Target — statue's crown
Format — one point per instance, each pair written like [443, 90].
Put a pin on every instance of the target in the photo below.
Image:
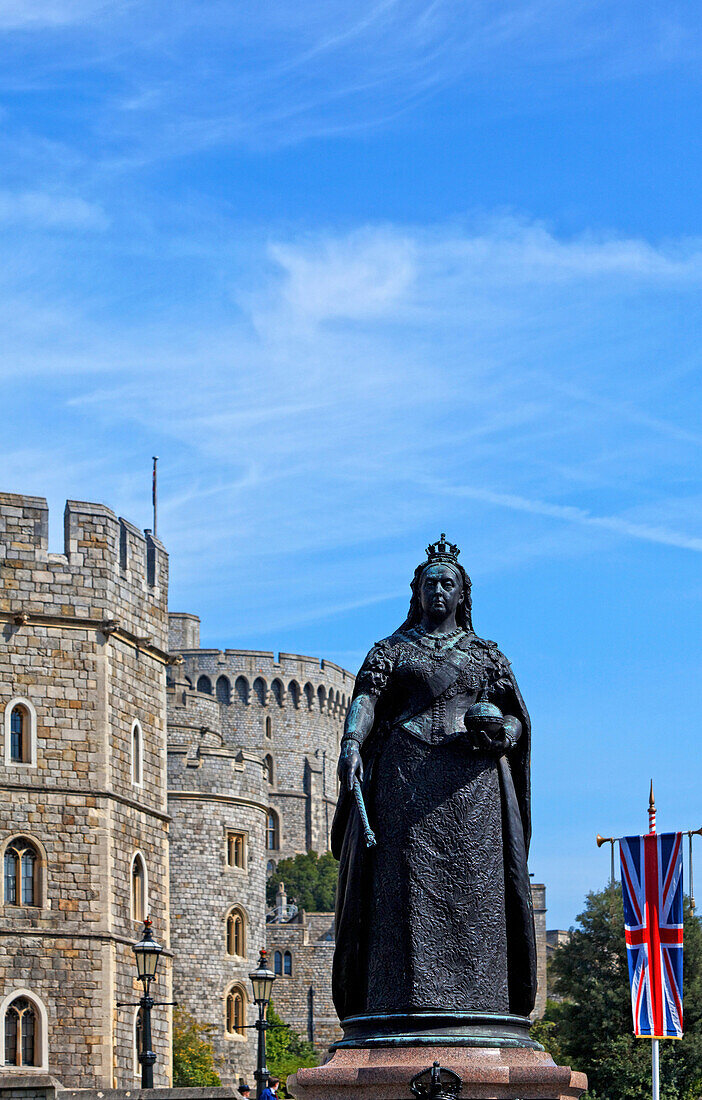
[442, 551]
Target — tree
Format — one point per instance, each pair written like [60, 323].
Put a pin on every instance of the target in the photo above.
[309, 879]
[194, 1057]
[286, 1052]
[591, 1029]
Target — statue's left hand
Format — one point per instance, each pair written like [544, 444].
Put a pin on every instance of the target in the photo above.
[496, 746]
[504, 741]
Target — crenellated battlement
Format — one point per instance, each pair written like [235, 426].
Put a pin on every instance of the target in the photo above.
[288, 675]
[109, 569]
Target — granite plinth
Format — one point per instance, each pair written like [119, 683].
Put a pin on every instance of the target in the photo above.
[487, 1073]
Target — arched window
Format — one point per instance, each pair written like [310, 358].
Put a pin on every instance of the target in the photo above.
[137, 755]
[277, 689]
[236, 934]
[242, 690]
[278, 963]
[204, 684]
[269, 727]
[20, 732]
[260, 690]
[309, 695]
[268, 769]
[287, 964]
[270, 868]
[22, 873]
[272, 832]
[321, 696]
[224, 690]
[22, 1046]
[139, 886]
[294, 690]
[236, 1011]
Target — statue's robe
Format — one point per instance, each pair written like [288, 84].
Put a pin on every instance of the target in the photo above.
[439, 914]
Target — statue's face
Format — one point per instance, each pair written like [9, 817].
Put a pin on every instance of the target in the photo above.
[440, 591]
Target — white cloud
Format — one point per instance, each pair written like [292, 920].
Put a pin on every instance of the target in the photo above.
[171, 79]
[39, 14]
[44, 210]
[619, 525]
[357, 277]
[390, 373]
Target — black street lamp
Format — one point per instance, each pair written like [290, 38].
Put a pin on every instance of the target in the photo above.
[262, 979]
[146, 954]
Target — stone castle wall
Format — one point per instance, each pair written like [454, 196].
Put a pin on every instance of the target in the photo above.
[538, 897]
[215, 790]
[291, 710]
[303, 998]
[252, 745]
[85, 637]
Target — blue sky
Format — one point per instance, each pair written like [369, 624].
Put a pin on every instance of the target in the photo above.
[359, 273]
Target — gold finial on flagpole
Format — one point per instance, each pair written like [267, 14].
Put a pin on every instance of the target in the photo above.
[651, 811]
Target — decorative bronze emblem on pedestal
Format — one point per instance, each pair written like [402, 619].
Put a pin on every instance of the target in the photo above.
[436, 1084]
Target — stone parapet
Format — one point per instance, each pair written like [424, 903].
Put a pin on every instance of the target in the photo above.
[45, 1087]
[109, 571]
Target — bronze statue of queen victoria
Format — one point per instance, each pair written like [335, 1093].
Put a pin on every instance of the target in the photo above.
[435, 931]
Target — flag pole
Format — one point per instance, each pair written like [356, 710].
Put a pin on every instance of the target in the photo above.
[655, 1053]
[155, 498]
[611, 840]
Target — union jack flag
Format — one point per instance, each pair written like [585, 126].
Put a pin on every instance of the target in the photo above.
[652, 888]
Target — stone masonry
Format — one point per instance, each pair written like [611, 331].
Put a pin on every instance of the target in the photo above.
[252, 749]
[85, 652]
[291, 710]
[303, 998]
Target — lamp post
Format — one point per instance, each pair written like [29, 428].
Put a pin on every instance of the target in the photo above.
[146, 953]
[262, 979]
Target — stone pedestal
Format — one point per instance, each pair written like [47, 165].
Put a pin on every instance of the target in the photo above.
[487, 1073]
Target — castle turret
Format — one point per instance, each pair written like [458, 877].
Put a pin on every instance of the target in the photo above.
[252, 748]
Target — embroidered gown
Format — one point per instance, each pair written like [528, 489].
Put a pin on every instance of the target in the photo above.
[438, 915]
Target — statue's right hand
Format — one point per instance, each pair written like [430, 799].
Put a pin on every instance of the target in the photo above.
[350, 765]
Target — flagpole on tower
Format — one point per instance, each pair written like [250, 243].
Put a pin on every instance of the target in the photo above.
[154, 497]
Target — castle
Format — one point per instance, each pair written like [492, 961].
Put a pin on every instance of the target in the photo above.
[144, 774]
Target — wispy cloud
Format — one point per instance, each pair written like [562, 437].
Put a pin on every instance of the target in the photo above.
[43, 14]
[619, 525]
[44, 210]
[396, 371]
[168, 80]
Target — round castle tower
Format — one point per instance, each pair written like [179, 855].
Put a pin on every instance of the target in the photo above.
[252, 749]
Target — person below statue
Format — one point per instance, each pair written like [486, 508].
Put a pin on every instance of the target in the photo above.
[438, 915]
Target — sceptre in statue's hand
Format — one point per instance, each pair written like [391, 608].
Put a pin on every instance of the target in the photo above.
[351, 771]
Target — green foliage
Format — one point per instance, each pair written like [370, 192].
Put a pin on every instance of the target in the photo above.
[193, 1054]
[286, 1052]
[545, 1031]
[591, 1028]
[309, 879]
